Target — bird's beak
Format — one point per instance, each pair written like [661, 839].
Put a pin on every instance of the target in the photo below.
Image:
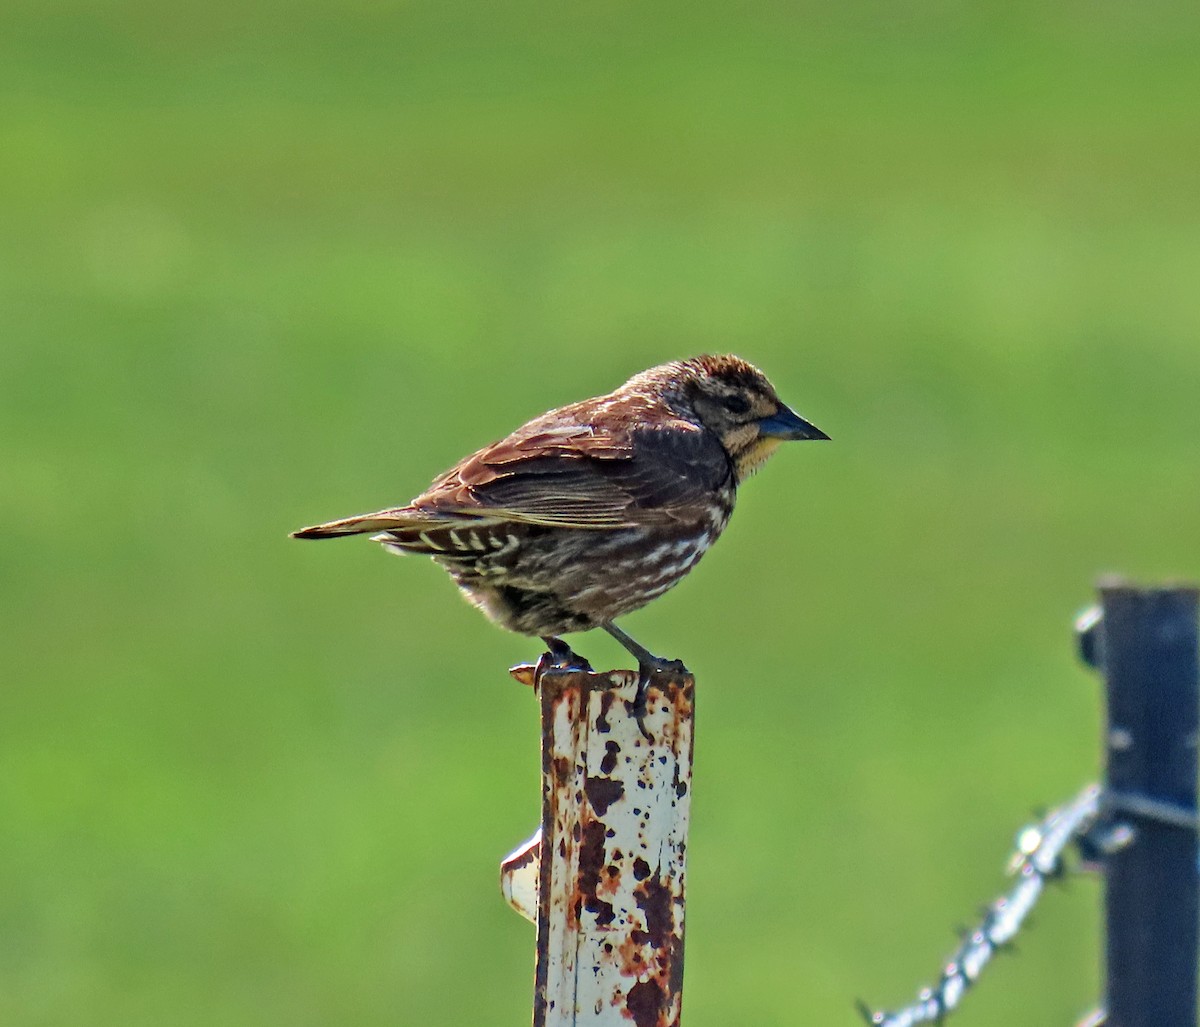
[785, 423]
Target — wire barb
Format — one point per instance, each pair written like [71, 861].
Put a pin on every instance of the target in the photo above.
[1036, 859]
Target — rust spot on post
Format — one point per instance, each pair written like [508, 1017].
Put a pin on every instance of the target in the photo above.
[655, 901]
[647, 1003]
[602, 792]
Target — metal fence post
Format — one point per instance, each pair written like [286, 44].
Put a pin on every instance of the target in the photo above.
[603, 879]
[1144, 641]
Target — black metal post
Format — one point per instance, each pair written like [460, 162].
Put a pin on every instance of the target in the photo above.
[1145, 643]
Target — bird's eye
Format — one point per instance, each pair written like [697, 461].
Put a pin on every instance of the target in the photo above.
[736, 404]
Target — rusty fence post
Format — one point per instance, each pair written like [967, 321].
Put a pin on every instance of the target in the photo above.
[1144, 642]
[603, 878]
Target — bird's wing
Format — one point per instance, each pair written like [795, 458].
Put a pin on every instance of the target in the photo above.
[584, 476]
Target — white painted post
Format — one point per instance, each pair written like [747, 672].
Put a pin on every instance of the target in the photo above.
[609, 899]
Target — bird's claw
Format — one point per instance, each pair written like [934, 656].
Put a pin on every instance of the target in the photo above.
[639, 707]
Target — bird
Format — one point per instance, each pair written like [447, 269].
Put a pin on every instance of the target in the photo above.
[593, 509]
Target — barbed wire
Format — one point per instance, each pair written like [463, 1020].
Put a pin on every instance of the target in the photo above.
[1036, 860]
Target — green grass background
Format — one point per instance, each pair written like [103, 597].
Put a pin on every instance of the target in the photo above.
[263, 264]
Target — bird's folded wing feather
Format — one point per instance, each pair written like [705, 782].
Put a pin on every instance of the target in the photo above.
[586, 477]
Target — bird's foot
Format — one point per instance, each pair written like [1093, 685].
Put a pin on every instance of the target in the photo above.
[561, 656]
[647, 668]
[665, 666]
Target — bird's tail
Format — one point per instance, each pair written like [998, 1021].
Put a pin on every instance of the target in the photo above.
[381, 520]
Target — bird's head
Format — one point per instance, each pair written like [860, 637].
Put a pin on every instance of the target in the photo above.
[734, 400]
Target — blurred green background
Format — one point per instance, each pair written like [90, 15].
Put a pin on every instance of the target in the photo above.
[266, 264]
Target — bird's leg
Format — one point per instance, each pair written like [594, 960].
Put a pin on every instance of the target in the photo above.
[562, 655]
[648, 663]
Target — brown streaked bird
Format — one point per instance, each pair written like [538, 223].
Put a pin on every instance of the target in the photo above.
[591, 510]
